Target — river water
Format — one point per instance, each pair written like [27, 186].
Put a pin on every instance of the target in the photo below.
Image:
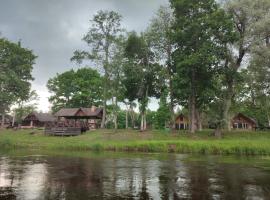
[132, 176]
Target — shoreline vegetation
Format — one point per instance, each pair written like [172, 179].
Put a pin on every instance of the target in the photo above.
[234, 143]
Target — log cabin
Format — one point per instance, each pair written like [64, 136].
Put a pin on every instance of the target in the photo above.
[35, 119]
[181, 122]
[243, 122]
[92, 115]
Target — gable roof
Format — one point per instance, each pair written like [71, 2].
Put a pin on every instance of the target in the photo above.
[181, 115]
[71, 112]
[42, 117]
[246, 117]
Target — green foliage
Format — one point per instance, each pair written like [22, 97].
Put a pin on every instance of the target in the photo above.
[16, 65]
[201, 32]
[162, 116]
[141, 73]
[23, 111]
[81, 88]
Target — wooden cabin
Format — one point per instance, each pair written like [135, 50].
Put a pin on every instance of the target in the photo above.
[74, 121]
[181, 122]
[35, 119]
[242, 122]
[91, 116]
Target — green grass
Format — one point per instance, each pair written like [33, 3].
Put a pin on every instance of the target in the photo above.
[239, 143]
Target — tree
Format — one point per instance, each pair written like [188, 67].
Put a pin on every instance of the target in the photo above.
[251, 23]
[163, 115]
[25, 106]
[101, 38]
[200, 32]
[16, 65]
[141, 73]
[116, 78]
[160, 33]
[81, 88]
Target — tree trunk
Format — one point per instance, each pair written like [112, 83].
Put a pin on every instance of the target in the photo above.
[3, 120]
[227, 106]
[115, 115]
[13, 119]
[127, 118]
[103, 115]
[199, 121]
[268, 118]
[142, 121]
[172, 121]
[170, 76]
[192, 103]
[132, 116]
[217, 132]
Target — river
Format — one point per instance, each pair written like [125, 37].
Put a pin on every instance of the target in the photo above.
[35, 175]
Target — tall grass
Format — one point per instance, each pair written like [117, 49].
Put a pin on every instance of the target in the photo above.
[240, 143]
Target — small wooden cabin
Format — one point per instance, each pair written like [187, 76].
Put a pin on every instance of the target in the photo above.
[240, 121]
[181, 122]
[35, 119]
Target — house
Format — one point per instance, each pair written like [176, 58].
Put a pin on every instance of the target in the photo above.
[240, 121]
[181, 122]
[35, 119]
[91, 115]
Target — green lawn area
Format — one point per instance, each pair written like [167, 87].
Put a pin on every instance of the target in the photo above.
[240, 143]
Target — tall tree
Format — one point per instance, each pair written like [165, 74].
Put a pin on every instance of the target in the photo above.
[251, 22]
[142, 76]
[199, 32]
[101, 38]
[116, 78]
[81, 88]
[16, 65]
[160, 33]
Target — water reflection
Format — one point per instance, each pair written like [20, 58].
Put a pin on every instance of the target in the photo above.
[48, 177]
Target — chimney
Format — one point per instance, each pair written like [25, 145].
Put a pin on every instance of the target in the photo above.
[93, 108]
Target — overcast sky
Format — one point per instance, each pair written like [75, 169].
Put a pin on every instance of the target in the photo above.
[53, 30]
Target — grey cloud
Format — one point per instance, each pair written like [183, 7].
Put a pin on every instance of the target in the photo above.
[53, 28]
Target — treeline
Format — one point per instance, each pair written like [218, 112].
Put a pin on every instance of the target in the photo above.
[208, 57]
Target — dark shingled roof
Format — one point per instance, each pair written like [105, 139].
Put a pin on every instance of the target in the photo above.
[44, 117]
[70, 112]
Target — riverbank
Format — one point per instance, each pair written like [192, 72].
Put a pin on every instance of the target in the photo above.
[237, 143]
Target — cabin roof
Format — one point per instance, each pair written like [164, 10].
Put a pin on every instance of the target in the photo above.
[71, 112]
[42, 117]
[246, 117]
[181, 115]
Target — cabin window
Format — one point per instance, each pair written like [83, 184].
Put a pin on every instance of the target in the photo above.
[181, 118]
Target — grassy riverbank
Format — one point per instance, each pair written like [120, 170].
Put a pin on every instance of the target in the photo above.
[240, 143]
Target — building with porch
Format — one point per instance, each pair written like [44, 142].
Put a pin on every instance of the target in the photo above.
[241, 121]
[181, 122]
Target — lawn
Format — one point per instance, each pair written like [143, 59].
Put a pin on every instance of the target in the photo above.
[240, 143]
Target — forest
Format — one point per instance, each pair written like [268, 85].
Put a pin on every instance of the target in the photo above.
[207, 59]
